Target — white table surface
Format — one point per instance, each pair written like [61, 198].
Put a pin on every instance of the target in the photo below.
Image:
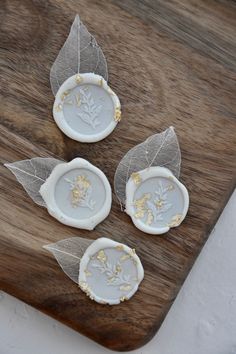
[202, 319]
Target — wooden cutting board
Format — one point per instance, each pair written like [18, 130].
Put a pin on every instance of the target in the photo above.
[171, 63]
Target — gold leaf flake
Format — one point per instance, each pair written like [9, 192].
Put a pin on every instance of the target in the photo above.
[84, 286]
[124, 257]
[159, 203]
[136, 178]
[140, 203]
[149, 217]
[118, 269]
[117, 114]
[123, 298]
[78, 79]
[101, 82]
[58, 108]
[119, 247]
[176, 220]
[125, 287]
[101, 256]
[65, 94]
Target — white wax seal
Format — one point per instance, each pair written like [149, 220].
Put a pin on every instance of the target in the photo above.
[156, 200]
[77, 194]
[85, 108]
[110, 272]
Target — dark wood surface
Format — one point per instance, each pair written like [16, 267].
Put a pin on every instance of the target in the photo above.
[171, 63]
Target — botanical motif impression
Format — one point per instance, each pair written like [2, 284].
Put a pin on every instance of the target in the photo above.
[114, 272]
[152, 207]
[88, 110]
[80, 192]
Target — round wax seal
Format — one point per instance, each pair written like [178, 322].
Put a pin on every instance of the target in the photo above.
[156, 200]
[86, 109]
[110, 272]
[77, 194]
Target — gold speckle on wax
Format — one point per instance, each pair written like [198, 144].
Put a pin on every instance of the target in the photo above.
[176, 220]
[125, 287]
[78, 79]
[117, 114]
[124, 257]
[101, 256]
[65, 94]
[136, 178]
[58, 108]
[119, 247]
[123, 298]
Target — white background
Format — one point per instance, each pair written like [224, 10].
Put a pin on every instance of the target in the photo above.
[201, 321]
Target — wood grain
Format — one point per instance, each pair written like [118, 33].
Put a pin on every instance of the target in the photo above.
[171, 63]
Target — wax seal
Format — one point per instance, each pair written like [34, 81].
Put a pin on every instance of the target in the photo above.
[110, 272]
[85, 108]
[156, 200]
[77, 194]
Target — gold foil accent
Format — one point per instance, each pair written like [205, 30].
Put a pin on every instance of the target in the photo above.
[176, 220]
[140, 205]
[78, 79]
[119, 247]
[117, 114]
[79, 190]
[125, 287]
[58, 108]
[150, 217]
[124, 257]
[136, 178]
[159, 203]
[118, 269]
[101, 256]
[123, 298]
[65, 94]
[101, 82]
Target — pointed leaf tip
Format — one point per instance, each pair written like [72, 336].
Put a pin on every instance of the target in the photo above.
[161, 149]
[31, 174]
[79, 54]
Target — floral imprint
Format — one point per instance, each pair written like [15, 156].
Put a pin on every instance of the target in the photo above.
[89, 110]
[152, 207]
[80, 192]
[114, 272]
